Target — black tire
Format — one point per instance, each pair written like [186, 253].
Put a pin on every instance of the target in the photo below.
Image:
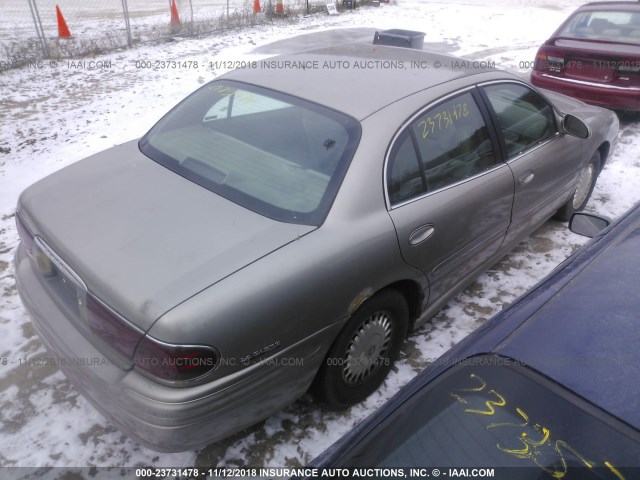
[364, 351]
[582, 193]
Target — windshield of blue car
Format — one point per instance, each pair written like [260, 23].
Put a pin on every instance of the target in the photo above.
[492, 412]
[274, 154]
[611, 26]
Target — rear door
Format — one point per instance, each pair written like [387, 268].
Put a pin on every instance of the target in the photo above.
[448, 192]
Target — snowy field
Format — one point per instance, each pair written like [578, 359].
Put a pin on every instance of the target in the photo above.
[59, 113]
[104, 15]
[101, 23]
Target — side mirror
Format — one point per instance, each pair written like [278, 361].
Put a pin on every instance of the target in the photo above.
[574, 126]
[588, 225]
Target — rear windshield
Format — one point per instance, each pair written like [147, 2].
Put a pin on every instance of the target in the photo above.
[615, 26]
[491, 412]
[271, 153]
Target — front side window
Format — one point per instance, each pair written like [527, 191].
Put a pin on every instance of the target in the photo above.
[525, 118]
[445, 145]
[492, 412]
[274, 154]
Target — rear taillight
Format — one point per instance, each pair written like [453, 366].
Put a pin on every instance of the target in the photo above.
[162, 360]
[107, 325]
[174, 362]
[25, 235]
[165, 361]
[34, 249]
[549, 59]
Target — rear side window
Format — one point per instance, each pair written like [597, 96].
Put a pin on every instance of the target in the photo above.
[525, 118]
[445, 145]
[453, 142]
[491, 412]
[406, 179]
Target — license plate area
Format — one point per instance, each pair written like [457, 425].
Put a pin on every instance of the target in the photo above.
[595, 70]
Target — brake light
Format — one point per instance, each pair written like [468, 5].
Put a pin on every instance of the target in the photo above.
[25, 235]
[116, 332]
[34, 249]
[554, 59]
[163, 360]
[174, 362]
[549, 59]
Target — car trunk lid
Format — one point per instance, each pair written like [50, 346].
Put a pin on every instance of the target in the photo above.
[606, 63]
[140, 237]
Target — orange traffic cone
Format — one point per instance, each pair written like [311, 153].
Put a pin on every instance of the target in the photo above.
[279, 7]
[256, 6]
[63, 30]
[175, 18]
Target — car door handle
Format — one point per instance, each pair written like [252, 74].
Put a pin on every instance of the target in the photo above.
[526, 178]
[420, 234]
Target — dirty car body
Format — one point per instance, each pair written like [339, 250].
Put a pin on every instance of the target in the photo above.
[275, 232]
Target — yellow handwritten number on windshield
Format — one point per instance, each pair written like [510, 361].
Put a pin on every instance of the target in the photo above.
[442, 120]
[536, 449]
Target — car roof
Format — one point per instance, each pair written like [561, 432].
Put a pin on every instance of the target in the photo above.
[610, 6]
[357, 79]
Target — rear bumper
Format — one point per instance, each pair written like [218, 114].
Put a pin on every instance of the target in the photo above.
[165, 418]
[602, 95]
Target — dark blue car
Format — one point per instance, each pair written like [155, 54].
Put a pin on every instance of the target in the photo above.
[549, 388]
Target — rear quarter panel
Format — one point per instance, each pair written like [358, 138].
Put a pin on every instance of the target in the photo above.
[313, 284]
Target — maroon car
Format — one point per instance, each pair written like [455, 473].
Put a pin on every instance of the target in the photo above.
[595, 56]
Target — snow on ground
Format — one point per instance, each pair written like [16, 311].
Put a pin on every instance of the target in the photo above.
[102, 24]
[57, 114]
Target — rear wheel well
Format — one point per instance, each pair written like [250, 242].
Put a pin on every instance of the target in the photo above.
[604, 150]
[363, 352]
[413, 295]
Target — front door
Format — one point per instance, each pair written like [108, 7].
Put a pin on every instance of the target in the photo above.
[544, 162]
